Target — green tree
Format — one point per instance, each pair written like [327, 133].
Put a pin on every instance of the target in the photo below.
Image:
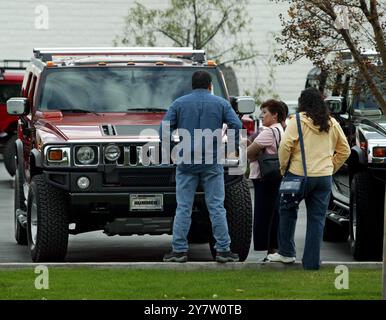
[265, 88]
[193, 23]
[213, 25]
[320, 30]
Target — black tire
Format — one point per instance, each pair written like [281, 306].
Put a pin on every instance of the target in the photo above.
[239, 215]
[9, 155]
[19, 203]
[52, 221]
[335, 232]
[366, 217]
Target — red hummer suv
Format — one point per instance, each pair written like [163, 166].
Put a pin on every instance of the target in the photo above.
[89, 119]
[11, 78]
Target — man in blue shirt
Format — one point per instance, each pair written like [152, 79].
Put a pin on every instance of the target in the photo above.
[194, 112]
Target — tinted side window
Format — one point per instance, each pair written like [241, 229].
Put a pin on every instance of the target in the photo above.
[8, 91]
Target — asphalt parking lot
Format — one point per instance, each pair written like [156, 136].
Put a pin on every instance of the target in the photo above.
[97, 247]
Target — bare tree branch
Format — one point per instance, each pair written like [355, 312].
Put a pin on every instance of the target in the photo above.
[195, 40]
[201, 24]
[170, 37]
[378, 32]
[240, 59]
[216, 29]
[313, 31]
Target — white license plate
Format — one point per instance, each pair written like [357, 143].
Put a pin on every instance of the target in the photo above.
[146, 202]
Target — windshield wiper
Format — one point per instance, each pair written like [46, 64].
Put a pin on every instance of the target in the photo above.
[78, 110]
[147, 109]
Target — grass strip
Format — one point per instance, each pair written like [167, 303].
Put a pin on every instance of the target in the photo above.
[122, 284]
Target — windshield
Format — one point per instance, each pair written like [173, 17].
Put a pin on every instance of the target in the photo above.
[118, 89]
[365, 99]
[8, 91]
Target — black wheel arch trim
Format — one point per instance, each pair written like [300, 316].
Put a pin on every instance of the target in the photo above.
[19, 158]
[36, 154]
[356, 151]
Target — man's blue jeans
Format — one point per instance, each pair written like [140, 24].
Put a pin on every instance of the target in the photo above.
[212, 180]
[317, 196]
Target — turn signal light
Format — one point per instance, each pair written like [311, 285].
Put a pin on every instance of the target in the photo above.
[363, 146]
[211, 63]
[55, 155]
[379, 152]
[249, 125]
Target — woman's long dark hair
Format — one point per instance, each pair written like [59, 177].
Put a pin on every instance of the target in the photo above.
[311, 102]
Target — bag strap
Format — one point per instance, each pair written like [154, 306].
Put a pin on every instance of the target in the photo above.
[274, 138]
[279, 134]
[301, 144]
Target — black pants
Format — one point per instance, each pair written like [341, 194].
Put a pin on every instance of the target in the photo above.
[266, 215]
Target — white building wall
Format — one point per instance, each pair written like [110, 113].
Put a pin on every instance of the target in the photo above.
[97, 22]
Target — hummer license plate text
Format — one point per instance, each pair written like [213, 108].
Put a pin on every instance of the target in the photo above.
[146, 202]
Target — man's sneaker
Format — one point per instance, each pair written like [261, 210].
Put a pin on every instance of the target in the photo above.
[276, 257]
[176, 257]
[227, 256]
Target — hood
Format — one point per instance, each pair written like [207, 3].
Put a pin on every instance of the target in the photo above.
[381, 121]
[376, 125]
[55, 126]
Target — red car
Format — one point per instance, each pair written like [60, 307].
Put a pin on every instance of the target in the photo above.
[11, 79]
[89, 150]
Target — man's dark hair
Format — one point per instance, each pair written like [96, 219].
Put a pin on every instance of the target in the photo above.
[201, 80]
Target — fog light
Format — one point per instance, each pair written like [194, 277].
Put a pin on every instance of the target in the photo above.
[83, 183]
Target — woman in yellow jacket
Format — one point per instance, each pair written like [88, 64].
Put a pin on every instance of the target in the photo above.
[326, 149]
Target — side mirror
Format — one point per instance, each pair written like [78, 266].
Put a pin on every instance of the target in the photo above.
[245, 105]
[17, 106]
[334, 104]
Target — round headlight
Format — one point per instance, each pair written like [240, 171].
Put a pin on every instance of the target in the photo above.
[85, 155]
[112, 152]
[83, 183]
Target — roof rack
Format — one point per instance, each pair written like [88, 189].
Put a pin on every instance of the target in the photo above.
[47, 54]
[13, 64]
[347, 56]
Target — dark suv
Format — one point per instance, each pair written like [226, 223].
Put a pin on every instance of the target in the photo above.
[357, 203]
[88, 118]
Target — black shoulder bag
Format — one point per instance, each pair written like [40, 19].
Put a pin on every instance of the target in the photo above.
[295, 186]
[269, 163]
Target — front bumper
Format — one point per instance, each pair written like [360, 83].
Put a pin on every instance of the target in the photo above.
[114, 180]
[105, 204]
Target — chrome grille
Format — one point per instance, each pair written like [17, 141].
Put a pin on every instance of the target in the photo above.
[135, 155]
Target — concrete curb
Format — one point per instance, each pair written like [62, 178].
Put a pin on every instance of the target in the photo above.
[190, 266]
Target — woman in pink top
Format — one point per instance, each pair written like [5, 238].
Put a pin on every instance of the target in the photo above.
[266, 212]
